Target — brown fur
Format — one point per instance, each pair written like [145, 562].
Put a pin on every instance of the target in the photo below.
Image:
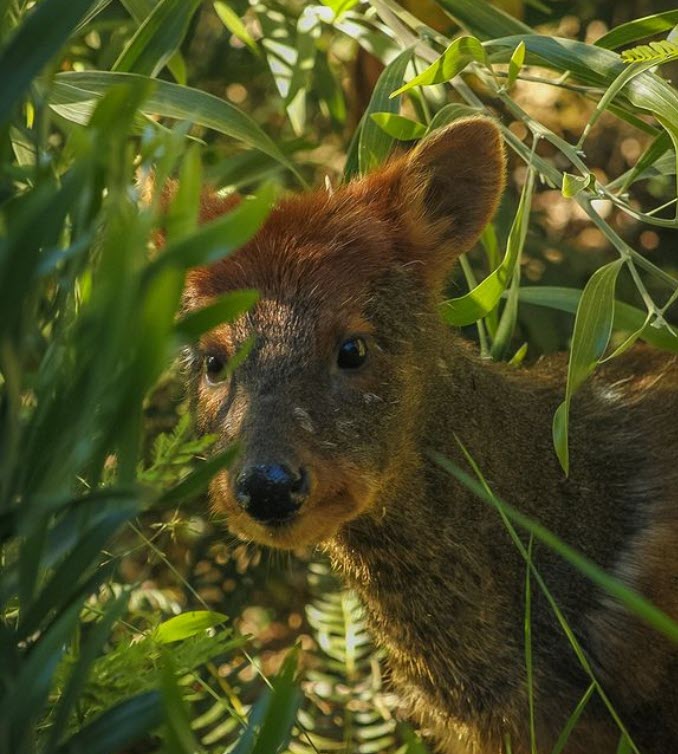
[441, 580]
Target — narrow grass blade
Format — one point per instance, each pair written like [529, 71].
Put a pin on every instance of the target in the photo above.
[572, 721]
[528, 646]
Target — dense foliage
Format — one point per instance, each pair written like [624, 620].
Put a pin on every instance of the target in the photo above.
[125, 617]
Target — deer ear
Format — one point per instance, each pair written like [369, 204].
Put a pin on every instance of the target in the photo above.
[450, 186]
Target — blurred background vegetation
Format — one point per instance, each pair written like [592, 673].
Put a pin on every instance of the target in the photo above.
[131, 621]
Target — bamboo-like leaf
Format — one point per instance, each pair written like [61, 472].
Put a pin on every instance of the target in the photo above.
[232, 21]
[157, 38]
[399, 127]
[574, 184]
[166, 99]
[485, 296]
[272, 717]
[639, 28]
[186, 625]
[226, 309]
[118, 727]
[372, 143]
[198, 480]
[96, 639]
[37, 40]
[179, 738]
[593, 66]
[484, 20]
[456, 57]
[449, 113]
[592, 330]
[627, 318]
[220, 237]
[515, 64]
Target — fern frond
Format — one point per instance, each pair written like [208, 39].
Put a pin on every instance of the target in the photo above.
[654, 52]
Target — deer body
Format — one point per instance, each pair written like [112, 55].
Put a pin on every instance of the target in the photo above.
[354, 380]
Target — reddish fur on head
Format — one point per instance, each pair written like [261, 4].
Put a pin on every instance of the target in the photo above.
[369, 259]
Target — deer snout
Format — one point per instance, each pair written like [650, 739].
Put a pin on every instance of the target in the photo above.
[271, 493]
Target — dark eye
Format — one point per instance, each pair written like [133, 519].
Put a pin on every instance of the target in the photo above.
[214, 368]
[352, 353]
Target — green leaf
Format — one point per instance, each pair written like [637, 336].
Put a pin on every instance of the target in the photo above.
[157, 38]
[450, 113]
[627, 318]
[37, 40]
[372, 143]
[399, 127]
[67, 579]
[271, 719]
[573, 184]
[232, 21]
[484, 20]
[186, 625]
[653, 152]
[96, 638]
[638, 29]
[30, 689]
[118, 727]
[225, 309]
[592, 330]
[456, 57]
[166, 99]
[179, 738]
[216, 239]
[485, 296]
[515, 64]
[593, 66]
[198, 480]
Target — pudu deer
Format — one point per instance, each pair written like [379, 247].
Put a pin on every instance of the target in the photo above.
[354, 379]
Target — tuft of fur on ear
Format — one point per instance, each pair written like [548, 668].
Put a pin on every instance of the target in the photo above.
[450, 186]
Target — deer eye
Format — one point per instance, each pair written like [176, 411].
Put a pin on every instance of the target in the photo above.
[215, 369]
[352, 353]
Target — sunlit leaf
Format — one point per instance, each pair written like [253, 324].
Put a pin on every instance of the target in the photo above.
[456, 57]
[485, 296]
[592, 330]
[399, 127]
[186, 625]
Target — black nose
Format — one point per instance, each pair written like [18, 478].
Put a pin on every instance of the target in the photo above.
[271, 493]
